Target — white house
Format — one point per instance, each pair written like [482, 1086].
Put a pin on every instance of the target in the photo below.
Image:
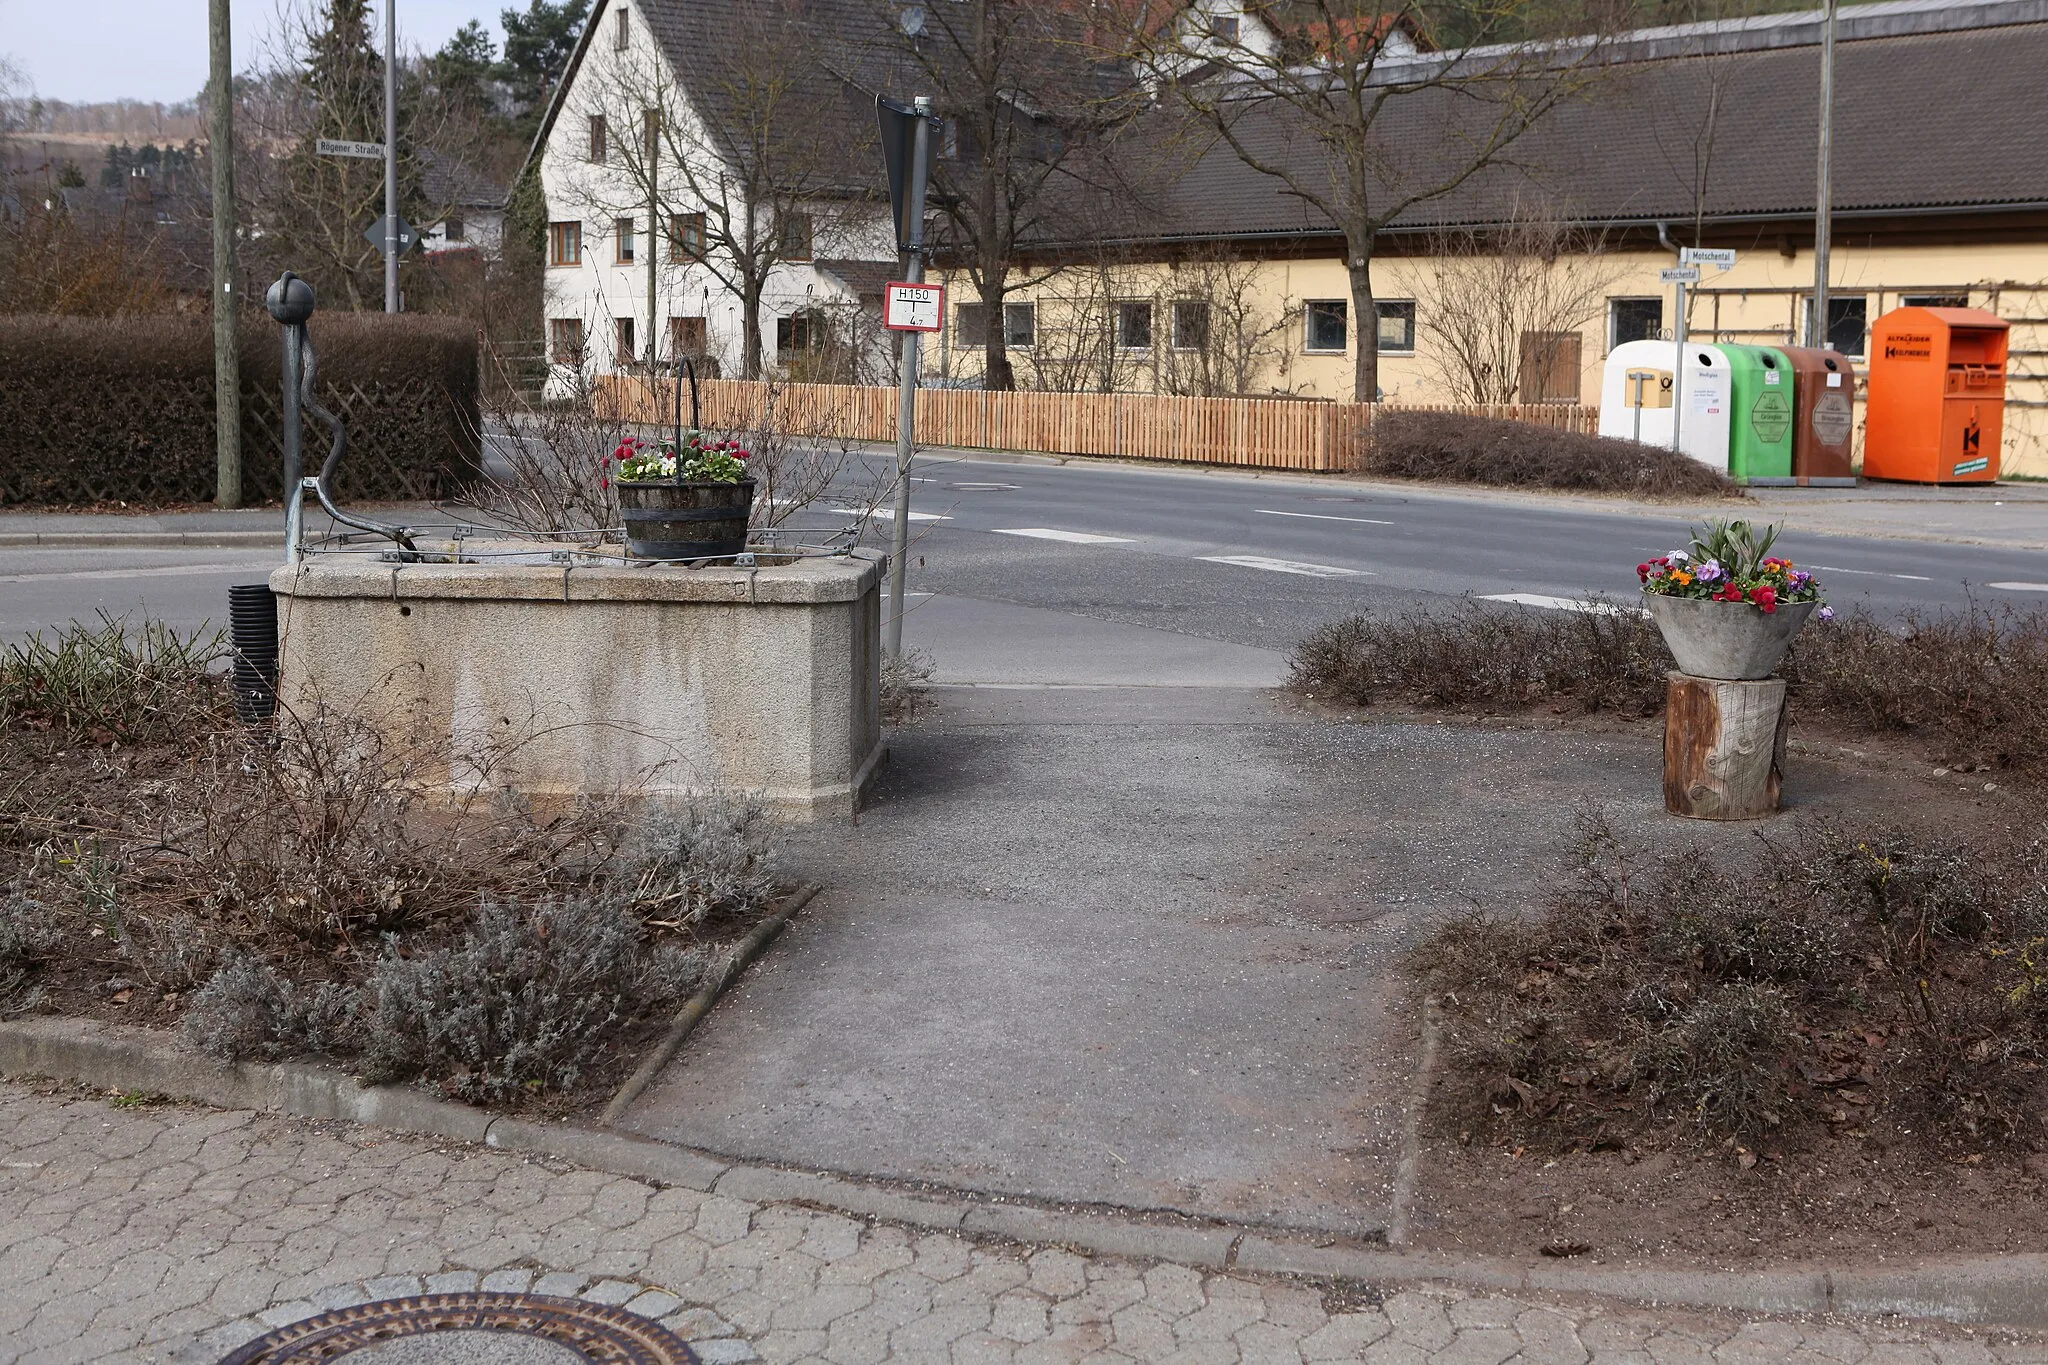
[685, 155]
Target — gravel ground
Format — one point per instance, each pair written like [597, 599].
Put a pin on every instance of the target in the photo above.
[173, 1233]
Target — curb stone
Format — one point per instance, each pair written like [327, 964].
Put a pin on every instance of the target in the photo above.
[141, 540]
[1992, 1291]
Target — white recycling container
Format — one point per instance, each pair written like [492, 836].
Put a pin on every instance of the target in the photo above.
[1638, 398]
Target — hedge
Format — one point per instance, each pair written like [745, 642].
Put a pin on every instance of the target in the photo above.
[96, 410]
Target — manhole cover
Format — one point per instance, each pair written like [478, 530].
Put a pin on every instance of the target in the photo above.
[470, 1329]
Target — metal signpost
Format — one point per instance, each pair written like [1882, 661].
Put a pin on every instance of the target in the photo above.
[392, 221]
[1823, 197]
[906, 154]
[1681, 276]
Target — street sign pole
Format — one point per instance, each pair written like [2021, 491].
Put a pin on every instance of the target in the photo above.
[1678, 376]
[390, 156]
[909, 358]
[1823, 197]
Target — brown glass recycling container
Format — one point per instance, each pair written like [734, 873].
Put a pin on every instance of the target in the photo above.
[1823, 416]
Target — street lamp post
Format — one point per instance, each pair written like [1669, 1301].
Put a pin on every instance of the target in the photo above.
[1823, 194]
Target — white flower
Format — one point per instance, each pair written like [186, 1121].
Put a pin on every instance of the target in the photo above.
[1679, 557]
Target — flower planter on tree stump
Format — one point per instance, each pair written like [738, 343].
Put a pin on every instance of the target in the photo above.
[1724, 746]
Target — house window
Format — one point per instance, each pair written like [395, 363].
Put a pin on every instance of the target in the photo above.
[597, 138]
[622, 234]
[800, 333]
[1934, 300]
[565, 340]
[565, 243]
[1323, 329]
[970, 325]
[1190, 324]
[1134, 325]
[1634, 320]
[622, 33]
[1397, 325]
[1020, 325]
[1550, 367]
[1848, 319]
[1224, 28]
[793, 237]
[622, 341]
[686, 237]
[451, 229]
[687, 337]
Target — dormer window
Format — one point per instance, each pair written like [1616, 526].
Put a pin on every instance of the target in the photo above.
[1224, 27]
[622, 35]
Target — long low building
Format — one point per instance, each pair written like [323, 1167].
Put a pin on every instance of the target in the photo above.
[1515, 286]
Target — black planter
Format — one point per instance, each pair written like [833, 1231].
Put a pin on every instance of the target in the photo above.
[670, 520]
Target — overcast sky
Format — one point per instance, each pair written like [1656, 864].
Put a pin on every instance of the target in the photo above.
[156, 49]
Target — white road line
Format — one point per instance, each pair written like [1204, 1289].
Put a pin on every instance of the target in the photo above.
[1537, 599]
[889, 514]
[983, 487]
[1071, 537]
[1282, 566]
[165, 571]
[1323, 516]
[1872, 573]
[2019, 587]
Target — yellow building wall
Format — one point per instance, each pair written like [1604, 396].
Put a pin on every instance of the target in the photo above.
[1760, 301]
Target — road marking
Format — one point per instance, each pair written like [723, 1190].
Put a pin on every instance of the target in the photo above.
[889, 514]
[983, 487]
[165, 571]
[1282, 566]
[1323, 516]
[1537, 599]
[1872, 573]
[1071, 537]
[2019, 587]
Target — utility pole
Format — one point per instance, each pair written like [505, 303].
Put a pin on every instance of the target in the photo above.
[1823, 194]
[227, 356]
[390, 156]
[910, 356]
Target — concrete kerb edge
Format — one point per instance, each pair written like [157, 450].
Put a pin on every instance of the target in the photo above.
[142, 540]
[2000, 1291]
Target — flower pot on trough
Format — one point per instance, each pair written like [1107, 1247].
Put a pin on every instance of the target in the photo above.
[672, 519]
[1735, 640]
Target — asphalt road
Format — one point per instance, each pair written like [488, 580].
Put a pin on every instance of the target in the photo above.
[1252, 562]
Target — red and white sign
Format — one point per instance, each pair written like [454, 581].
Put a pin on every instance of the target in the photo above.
[914, 307]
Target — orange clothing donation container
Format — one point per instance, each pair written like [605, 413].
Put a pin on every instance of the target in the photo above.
[1935, 410]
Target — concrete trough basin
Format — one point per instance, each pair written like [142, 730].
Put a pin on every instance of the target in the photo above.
[560, 680]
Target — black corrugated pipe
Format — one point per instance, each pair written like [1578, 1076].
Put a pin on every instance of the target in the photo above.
[252, 630]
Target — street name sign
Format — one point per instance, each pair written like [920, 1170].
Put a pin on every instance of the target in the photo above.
[913, 307]
[1724, 257]
[369, 151]
[1683, 274]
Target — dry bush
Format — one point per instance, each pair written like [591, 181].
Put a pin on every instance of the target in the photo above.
[904, 678]
[1970, 686]
[686, 862]
[1826, 980]
[249, 1010]
[1455, 448]
[528, 1001]
[29, 936]
[1609, 658]
[110, 683]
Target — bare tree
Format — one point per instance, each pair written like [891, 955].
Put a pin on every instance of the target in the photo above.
[735, 151]
[1029, 154]
[1500, 298]
[1339, 109]
[1080, 344]
[1221, 330]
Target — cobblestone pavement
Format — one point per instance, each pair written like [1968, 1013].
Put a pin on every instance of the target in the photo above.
[172, 1233]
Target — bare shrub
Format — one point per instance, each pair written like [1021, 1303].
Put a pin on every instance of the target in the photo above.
[553, 453]
[1972, 686]
[1605, 658]
[527, 1002]
[688, 861]
[1742, 995]
[111, 681]
[1454, 448]
[248, 1010]
[29, 936]
[904, 677]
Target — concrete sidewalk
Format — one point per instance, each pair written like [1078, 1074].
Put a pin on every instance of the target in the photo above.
[172, 1234]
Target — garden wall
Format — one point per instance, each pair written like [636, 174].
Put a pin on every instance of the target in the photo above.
[121, 409]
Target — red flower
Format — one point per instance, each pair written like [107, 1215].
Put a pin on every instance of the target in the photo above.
[1766, 599]
[1642, 571]
[741, 455]
[604, 483]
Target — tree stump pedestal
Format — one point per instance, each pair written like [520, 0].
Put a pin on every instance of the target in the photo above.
[1724, 747]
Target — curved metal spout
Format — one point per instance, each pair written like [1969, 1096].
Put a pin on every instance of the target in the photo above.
[337, 448]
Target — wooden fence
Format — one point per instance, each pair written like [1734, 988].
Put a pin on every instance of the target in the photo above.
[1266, 433]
